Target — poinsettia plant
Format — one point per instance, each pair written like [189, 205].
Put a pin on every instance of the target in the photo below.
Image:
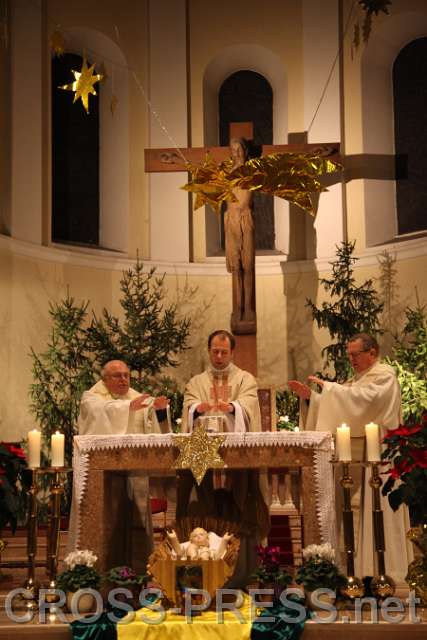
[13, 481]
[80, 572]
[406, 453]
[269, 570]
[125, 576]
[319, 570]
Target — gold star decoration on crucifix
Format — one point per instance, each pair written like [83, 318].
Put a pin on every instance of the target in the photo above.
[199, 452]
[83, 84]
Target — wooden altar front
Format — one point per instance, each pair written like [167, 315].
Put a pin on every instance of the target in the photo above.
[97, 459]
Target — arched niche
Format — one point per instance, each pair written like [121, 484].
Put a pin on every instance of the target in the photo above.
[385, 43]
[113, 134]
[270, 66]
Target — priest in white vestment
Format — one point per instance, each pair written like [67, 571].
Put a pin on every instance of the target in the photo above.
[371, 395]
[225, 389]
[112, 407]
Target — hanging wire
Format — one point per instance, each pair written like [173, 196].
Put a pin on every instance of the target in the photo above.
[341, 44]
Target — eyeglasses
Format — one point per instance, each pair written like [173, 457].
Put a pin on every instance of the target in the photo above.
[118, 376]
[356, 354]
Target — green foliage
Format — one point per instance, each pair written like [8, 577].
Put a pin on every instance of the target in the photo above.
[125, 576]
[150, 335]
[168, 387]
[80, 577]
[287, 404]
[319, 569]
[410, 362]
[62, 373]
[316, 575]
[352, 309]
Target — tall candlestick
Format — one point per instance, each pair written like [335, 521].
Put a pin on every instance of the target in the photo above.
[373, 450]
[344, 443]
[34, 448]
[57, 444]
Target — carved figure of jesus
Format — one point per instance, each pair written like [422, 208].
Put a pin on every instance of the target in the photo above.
[240, 248]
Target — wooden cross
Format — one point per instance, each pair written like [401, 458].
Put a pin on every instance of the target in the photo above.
[154, 162]
[245, 352]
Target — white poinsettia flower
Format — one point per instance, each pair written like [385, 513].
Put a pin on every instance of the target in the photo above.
[178, 421]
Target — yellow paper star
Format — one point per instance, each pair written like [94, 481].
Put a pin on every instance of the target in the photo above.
[83, 84]
[199, 452]
[57, 43]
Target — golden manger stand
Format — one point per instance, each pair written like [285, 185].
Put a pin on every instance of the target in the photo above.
[97, 458]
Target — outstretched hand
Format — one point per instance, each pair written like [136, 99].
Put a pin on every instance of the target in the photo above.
[203, 407]
[139, 402]
[225, 407]
[302, 390]
[316, 380]
[161, 402]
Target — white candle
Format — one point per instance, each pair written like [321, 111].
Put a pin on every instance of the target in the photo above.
[373, 450]
[34, 448]
[344, 443]
[57, 444]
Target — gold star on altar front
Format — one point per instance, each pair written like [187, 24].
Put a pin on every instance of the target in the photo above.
[199, 452]
[83, 84]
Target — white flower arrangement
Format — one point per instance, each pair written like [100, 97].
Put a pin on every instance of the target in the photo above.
[178, 422]
[322, 552]
[80, 557]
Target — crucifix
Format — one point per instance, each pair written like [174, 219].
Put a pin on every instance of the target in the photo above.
[238, 220]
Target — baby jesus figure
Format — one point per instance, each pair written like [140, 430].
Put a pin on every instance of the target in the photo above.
[201, 546]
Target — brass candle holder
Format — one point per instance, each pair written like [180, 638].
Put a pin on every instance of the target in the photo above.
[54, 530]
[31, 586]
[354, 587]
[382, 586]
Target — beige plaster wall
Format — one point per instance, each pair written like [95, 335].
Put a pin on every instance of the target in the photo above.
[217, 25]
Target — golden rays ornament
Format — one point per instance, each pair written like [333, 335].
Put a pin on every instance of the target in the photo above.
[295, 177]
[57, 43]
[83, 84]
[199, 452]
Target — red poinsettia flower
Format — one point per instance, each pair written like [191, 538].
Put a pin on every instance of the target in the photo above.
[404, 431]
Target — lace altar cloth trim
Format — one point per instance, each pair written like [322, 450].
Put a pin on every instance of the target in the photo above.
[320, 441]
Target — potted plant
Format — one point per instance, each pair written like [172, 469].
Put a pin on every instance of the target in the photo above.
[126, 578]
[406, 453]
[80, 574]
[13, 481]
[319, 571]
[269, 574]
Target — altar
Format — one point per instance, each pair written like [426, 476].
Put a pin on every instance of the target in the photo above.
[98, 458]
